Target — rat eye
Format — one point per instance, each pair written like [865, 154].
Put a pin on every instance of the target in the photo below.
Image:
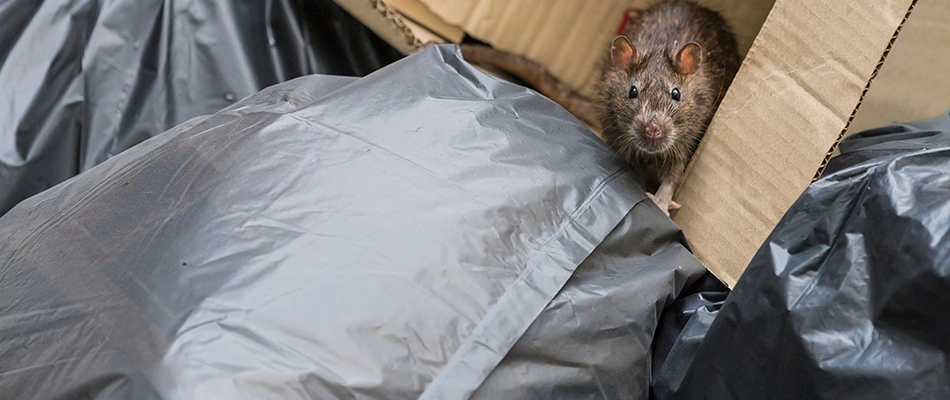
[676, 94]
[633, 92]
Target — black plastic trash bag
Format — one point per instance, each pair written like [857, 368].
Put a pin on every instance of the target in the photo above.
[424, 232]
[850, 295]
[681, 330]
[889, 141]
[83, 80]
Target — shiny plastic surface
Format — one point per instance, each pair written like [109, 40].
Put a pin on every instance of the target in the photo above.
[424, 232]
[83, 80]
[849, 298]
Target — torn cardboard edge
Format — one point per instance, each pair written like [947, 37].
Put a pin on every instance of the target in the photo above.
[877, 69]
[419, 14]
[386, 22]
[913, 83]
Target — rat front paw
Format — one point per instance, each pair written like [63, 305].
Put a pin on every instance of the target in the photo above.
[665, 204]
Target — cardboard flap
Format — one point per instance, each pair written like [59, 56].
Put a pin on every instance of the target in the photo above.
[789, 104]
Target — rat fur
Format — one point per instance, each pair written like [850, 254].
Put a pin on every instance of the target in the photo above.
[660, 86]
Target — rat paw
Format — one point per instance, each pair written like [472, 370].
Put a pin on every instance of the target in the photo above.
[665, 204]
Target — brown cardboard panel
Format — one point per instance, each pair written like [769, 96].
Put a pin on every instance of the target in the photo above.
[914, 83]
[570, 37]
[793, 96]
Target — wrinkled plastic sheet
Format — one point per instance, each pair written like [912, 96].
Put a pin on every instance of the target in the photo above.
[83, 80]
[848, 298]
[424, 232]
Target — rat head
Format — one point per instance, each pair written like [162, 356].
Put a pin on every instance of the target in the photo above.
[651, 100]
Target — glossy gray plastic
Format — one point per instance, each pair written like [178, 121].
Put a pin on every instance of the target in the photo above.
[424, 232]
[83, 80]
[849, 298]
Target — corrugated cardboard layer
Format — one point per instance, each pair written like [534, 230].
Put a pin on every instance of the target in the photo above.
[797, 88]
[418, 12]
[914, 83]
[386, 22]
[571, 37]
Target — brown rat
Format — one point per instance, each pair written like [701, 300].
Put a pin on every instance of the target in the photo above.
[661, 83]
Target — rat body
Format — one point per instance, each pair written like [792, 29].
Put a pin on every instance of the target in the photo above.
[660, 86]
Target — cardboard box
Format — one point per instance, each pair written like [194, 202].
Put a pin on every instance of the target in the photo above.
[808, 66]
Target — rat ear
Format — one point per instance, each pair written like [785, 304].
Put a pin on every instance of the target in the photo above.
[689, 58]
[622, 52]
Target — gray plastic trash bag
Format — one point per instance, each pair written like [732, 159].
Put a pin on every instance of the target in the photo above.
[83, 80]
[424, 232]
[850, 295]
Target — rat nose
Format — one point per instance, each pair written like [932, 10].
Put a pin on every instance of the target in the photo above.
[653, 129]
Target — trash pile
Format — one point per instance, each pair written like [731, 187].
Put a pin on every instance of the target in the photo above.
[201, 215]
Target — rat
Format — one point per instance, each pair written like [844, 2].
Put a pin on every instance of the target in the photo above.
[661, 83]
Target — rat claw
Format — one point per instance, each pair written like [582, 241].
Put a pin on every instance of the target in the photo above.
[670, 205]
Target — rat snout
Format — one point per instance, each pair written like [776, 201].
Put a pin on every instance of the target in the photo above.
[654, 132]
[653, 129]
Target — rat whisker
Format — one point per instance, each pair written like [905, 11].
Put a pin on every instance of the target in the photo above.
[637, 64]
